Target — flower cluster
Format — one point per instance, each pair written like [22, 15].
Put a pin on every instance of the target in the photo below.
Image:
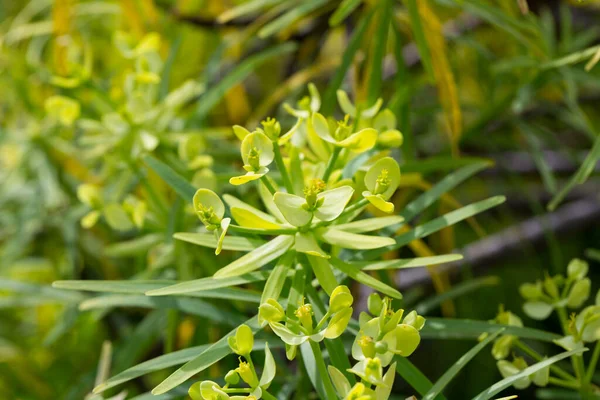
[300, 326]
[383, 334]
[558, 293]
[242, 344]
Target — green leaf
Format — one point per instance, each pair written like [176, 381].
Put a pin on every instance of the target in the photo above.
[456, 291]
[419, 36]
[378, 50]
[582, 174]
[323, 273]
[371, 224]
[213, 354]
[407, 262]
[450, 328]
[437, 224]
[198, 285]
[134, 246]
[449, 182]
[35, 290]
[458, 366]
[213, 95]
[353, 241]
[347, 59]
[365, 279]
[413, 376]
[277, 277]
[246, 8]
[235, 243]
[178, 183]
[505, 383]
[186, 305]
[125, 286]
[155, 364]
[257, 258]
[307, 244]
[344, 9]
[289, 18]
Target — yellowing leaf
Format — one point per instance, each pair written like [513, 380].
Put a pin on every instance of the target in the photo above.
[442, 73]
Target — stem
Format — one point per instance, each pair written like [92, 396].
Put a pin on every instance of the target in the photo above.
[536, 356]
[282, 169]
[329, 389]
[593, 363]
[249, 359]
[331, 163]
[267, 184]
[260, 231]
[565, 384]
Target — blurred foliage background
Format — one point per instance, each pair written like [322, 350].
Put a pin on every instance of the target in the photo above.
[514, 82]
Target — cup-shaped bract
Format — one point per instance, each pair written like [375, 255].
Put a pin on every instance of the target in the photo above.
[577, 269]
[243, 341]
[209, 208]
[579, 293]
[270, 311]
[340, 299]
[382, 180]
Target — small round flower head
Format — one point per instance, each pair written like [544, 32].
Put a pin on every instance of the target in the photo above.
[304, 314]
[271, 128]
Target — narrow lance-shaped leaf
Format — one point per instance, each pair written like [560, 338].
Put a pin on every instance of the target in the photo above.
[257, 258]
[505, 383]
[213, 354]
[458, 366]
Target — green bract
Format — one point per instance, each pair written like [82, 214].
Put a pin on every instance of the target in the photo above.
[382, 180]
[257, 154]
[342, 135]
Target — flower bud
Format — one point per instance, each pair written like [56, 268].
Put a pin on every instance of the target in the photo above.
[391, 139]
[531, 291]
[270, 311]
[272, 128]
[340, 299]
[579, 293]
[374, 304]
[415, 320]
[232, 377]
[577, 269]
[381, 347]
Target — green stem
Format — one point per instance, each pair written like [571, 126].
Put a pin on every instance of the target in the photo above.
[282, 169]
[251, 364]
[331, 163]
[536, 356]
[565, 384]
[260, 231]
[267, 184]
[320, 361]
[593, 363]
[576, 360]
